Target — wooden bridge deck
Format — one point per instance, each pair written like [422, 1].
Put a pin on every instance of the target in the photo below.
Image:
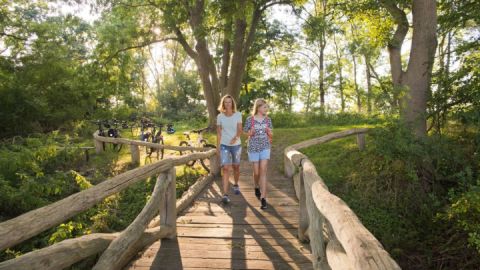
[236, 236]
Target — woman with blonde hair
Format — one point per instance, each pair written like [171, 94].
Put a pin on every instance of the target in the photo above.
[259, 127]
[229, 148]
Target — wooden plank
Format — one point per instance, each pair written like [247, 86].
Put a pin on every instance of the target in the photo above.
[238, 242]
[235, 232]
[227, 219]
[175, 263]
[239, 235]
[170, 247]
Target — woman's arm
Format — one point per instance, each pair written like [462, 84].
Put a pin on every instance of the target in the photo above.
[238, 134]
[247, 129]
[269, 127]
[219, 135]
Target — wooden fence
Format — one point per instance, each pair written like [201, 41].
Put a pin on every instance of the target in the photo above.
[157, 220]
[337, 237]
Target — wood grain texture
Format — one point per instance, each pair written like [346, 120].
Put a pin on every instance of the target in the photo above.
[240, 235]
[338, 239]
[70, 251]
[23, 227]
[123, 244]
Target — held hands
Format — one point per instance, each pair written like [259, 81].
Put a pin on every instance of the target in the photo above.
[251, 132]
[234, 140]
[269, 132]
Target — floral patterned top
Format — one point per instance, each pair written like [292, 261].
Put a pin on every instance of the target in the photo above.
[259, 141]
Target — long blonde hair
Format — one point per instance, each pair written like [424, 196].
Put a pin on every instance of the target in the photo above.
[221, 106]
[258, 102]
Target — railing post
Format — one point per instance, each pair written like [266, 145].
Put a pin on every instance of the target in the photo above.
[315, 218]
[214, 165]
[288, 166]
[98, 145]
[361, 141]
[303, 214]
[168, 210]
[135, 152]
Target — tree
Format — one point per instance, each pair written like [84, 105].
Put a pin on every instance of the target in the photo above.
[235, 22]
[415, 80]
[317, 27]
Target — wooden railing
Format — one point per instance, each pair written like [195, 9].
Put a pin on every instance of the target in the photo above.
[337, 237]
[118, 248]
[135, 146]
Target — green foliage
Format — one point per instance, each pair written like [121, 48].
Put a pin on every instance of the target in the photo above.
[179, 98]
[464, 212]
[295, 120]
[408, 181]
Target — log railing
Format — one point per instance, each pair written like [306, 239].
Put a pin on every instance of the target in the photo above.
[135, 146]
[157, 220]
[337, 237]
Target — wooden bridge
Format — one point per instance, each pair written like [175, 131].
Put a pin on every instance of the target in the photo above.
[305, 226]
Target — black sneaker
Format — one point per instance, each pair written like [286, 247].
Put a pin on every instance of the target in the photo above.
[225, 199]
[264, 204]
[258, 193]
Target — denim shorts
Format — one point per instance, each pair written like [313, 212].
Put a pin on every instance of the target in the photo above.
[230, 154]
[256, 156]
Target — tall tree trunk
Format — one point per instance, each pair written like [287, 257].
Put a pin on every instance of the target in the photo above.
[369, 85]
[419, 70]
[321, 54]
[241, 46]
[340, 75]
[225, 57]
[234, 57]
[321, 75]
[357, 90]
[309, 92]
[416, 80]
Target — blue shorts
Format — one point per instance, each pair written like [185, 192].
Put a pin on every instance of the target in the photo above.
[257, 156]
[230, 154]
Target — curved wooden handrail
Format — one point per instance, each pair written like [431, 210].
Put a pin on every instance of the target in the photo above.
[98, 138]
[337, 237]
[120, 246]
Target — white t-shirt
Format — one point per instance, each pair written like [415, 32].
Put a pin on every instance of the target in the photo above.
[229, 127]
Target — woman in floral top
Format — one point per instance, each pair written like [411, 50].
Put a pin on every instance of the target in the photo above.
[259, 129]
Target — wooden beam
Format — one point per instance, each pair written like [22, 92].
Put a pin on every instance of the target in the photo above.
[363, 249]
[135, 153]
[100, 139]
[315, 219]
[188, 196]
[23, 227]
[124, 243]
[67, 252]
[329, 137]
[361, 141]
[303, 221]
[168, 207]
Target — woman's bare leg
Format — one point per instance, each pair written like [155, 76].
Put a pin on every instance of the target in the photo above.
[236, 173]
[256, 174]
[263, 177]
[226, 177]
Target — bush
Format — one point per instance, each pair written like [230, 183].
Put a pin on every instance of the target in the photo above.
[420, 198]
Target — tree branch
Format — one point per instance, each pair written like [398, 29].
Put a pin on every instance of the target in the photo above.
[183, 41]
[12, 36]
[109, 58]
